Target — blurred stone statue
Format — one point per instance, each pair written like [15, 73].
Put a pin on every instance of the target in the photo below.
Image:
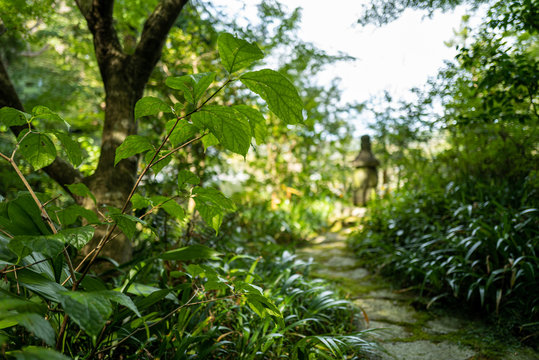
[365, 174]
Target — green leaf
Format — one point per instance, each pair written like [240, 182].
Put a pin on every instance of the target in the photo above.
[39, 284]
[70, 214]
[236, 53]
[81, 189]
[150, 105]
[230, 127]
[72, 148]
[36, 324]
[212, 205]
[280, 94]
[38, 353]
[132, 145]
[140, 202]
[170, 206]
[192, 252]
[38, 149]
[13, 117]
[126, 223]
[182, 133]
[24, 245]
[193, 86]
[44, 113]
[88, 310]
[209, 140]
[256, 121]
[77, 237]
[187, 177]
[120, 298]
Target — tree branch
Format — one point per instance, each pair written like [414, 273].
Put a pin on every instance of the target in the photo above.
[154, 34]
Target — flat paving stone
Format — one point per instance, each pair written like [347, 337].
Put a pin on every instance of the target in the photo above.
[383, 309]
[386, 331]
[443, 325]
[426, 350]
[353, 274]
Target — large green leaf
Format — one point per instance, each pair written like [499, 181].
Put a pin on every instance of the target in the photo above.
[13, 117]
[88, 310]
[212, 205]
[72, 148]
[230, 127]
[187, 177]
[40, 284]
[169, 205]
[35, 324]
[193, 86]
[22, 216]
[140, 202]
[44, 113]
[192, 252]
[70, 214]
[120, 298]
[150, 105]
[24, 245]
[182, 133]
[126, 223]
[132, 145]
[81, 189]
[237, 54]
[280, 94]
[77, 237]
[38, 353]
[37, 148]
[256, 121]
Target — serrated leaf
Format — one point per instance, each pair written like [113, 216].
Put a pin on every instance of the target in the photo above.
[212, 205]
[132, 145]
[279, 93]
[150, 105]
[77, 237]
[38, 149]
[81, 189]
[44, 113]
[182, 133]
[187, 177]
[24, 245]
[38, 353]
[237, 54]
[192, 252]
[140, 202]
[170, 206]
[256, 121]
[88, 310]
[70, 214]
[157, 166]
[127, 223]
[119, 298]
[72, 148]
[13, 117]
[230, 127]
[193, 86]
[212, 195]
[209, 140]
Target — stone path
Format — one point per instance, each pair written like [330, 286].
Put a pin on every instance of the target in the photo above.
[404, 332]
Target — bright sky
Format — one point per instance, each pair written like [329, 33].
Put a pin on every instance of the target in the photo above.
[395, 57]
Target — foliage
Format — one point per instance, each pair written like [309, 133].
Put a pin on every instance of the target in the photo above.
[193, 299]
[464, 224]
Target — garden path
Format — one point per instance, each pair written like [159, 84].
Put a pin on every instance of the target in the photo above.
[406, 328]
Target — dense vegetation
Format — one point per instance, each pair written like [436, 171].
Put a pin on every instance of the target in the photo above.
[463, 223]
[157, 175]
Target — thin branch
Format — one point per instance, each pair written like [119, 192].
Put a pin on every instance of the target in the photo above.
[22, 267]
